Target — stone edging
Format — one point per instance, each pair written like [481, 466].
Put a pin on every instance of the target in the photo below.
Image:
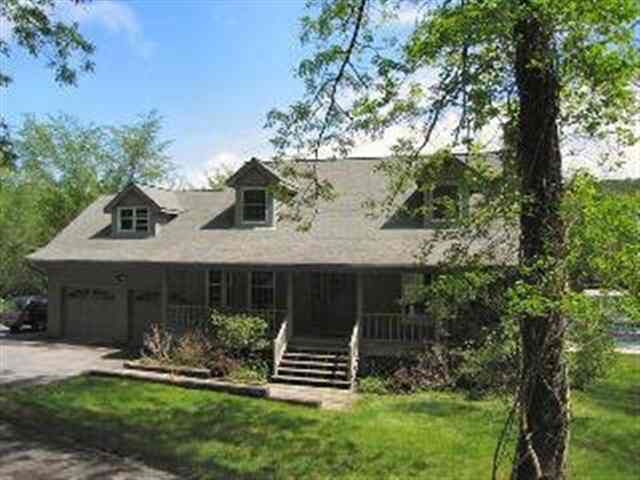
[255, 391]
[175, 370]
[183, 381]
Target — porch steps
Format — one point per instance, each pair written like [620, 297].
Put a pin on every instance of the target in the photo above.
[315, 362]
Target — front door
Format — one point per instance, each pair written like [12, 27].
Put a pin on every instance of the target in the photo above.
[333, 304]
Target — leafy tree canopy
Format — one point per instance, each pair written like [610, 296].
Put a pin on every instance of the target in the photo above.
[63, 166]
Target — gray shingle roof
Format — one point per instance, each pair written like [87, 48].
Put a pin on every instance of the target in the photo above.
[342, 233]
[165, 200]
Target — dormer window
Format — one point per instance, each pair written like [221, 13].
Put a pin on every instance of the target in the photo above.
[254, 206]
[444, 204]
[133, 219]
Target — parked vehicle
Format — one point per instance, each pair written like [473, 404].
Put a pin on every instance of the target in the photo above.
[29, 311]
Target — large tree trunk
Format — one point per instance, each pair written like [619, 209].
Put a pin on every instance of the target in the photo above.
[544, 420]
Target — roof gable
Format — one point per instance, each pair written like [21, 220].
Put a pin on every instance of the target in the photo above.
[254, 173]
[162, 200]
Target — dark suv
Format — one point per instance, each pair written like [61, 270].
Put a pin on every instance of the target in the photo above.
[30, 311]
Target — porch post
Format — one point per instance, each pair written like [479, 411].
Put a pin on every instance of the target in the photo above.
[164, 297]
[290, 302]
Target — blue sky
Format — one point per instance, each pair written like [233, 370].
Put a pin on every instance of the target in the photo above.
[212, 68]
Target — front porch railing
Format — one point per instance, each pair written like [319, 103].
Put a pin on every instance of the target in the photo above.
[280, 342]
[396, 327]
[185, 317]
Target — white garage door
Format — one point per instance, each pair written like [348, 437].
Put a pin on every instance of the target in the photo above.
[91, 314]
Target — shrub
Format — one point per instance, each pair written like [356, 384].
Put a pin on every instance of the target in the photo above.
[430, 369]
[240, 334]
[157, 343]
[490, 366]
[192, 349]
[373, 385]
[220, 364]
[248, 375]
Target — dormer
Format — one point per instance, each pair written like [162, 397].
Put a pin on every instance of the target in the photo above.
[445, 191]
[139, 211]
[255, 184]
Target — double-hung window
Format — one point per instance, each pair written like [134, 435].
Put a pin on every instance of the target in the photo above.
[263, 290]
[254, 205]
[133, 219]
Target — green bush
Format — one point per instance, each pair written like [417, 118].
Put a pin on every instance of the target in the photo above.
[240, 334]
[373, 385]
[247, 375]
[491, 365]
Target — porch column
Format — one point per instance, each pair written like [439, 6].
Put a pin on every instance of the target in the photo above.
[164, 297]
[290, 303]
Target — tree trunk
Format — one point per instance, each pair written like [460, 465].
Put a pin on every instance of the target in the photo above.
[544, 421]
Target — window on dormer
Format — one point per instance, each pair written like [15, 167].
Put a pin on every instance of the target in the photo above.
[133, 219]
[445, 203]
[254, 205]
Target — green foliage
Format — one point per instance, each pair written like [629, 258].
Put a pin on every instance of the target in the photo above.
[248, 375]
[491, 365]
[240, 334]
[373, 385]
[61, 167]
[591, 354]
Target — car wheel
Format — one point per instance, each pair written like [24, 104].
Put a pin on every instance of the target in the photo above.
[14, 329]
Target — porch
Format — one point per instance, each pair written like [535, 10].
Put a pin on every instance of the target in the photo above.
[321, 322]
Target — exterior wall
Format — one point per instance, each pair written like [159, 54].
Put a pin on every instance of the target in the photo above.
[186, 286]
[382, 292]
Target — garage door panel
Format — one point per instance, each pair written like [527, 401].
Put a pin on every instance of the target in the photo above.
[91, 314]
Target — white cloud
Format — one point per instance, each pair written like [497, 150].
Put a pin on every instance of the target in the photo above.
[117, 17]
[197, 177]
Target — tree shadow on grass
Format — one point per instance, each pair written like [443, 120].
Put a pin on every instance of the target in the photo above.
[435, 407]
[223, 437]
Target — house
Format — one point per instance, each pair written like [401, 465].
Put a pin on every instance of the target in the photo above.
[149, 254]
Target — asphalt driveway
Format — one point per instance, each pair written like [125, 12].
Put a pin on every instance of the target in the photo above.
[30, 358]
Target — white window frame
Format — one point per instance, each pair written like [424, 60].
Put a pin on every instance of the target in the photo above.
[429, 202]
[134, 219]
[273, 288]
[266, 206]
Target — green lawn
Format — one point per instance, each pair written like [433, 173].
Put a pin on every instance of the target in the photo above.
[431, 435]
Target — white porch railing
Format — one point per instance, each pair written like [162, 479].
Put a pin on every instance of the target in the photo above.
[396, 327]
[184, 317]
[280, 342]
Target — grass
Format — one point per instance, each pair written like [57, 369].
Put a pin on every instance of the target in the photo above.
[431, 435]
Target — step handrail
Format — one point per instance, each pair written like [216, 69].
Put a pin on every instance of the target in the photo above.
[280, 343]
[354, 351]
